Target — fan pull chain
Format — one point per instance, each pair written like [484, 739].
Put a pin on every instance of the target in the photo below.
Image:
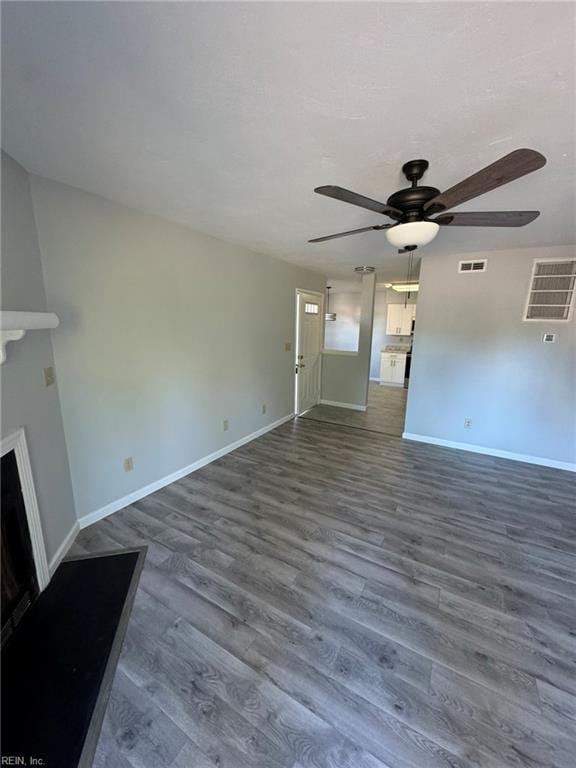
[408, 277]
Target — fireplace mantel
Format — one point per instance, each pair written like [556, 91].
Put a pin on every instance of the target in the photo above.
[13, 326]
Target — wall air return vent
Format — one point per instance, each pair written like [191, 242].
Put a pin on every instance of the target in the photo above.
[471, 267]
[552, 289]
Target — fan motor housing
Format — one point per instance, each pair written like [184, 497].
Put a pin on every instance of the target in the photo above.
[411, 201]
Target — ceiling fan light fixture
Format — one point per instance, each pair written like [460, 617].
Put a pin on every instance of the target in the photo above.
[415, 204]
[412, 233]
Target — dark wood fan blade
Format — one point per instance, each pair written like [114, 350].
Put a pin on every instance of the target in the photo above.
[508, 168]
[350, 232]
[339, 193]
[487, 219]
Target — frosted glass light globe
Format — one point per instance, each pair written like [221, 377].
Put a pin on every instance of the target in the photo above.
[412, 233]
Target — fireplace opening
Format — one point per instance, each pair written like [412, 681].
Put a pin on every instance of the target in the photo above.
[19, 580]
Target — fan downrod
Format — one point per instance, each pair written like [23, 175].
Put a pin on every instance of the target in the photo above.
[411, 201]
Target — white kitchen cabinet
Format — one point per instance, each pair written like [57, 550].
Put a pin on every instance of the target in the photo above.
[392, 368]
[399, 319]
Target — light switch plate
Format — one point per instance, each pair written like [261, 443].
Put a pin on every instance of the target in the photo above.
[288, 346]
[225, 425]
[49, 376]
[128, 464]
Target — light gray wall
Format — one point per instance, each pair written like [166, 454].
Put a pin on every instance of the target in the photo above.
[26, 401]
[345, 375]
[379, 337]
[343, 332]
[474, 357]
[164, 334]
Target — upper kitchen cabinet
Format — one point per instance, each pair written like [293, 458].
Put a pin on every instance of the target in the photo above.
[399, 319]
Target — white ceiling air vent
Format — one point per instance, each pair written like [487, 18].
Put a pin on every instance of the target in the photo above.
[551, 293]
[471, 267]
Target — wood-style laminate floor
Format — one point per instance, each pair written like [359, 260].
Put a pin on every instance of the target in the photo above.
[327, 597]
[386, 411]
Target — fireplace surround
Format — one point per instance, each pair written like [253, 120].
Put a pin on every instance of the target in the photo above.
[25, 570]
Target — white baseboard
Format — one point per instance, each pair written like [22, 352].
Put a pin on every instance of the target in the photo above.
[60, 553]
[114, 506]
[566, 465]
[351, 406]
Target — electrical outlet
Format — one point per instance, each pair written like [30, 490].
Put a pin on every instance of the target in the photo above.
[264, 408]
[288, 346]
[128, 464]
[225, 425]
[49, 376]
[467, 423]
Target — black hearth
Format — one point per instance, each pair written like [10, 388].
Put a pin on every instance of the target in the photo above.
[19, 582]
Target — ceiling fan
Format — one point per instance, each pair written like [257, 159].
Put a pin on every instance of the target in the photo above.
[412, 208]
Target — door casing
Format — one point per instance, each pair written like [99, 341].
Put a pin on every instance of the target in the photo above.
[318, 297]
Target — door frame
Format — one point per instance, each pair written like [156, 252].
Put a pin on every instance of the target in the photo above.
[320, 296]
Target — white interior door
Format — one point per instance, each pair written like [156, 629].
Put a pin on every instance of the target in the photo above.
[310, 322]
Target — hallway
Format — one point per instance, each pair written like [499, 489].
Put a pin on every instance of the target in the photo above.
[385, 413]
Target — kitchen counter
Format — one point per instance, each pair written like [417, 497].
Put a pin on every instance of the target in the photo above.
[398, 348]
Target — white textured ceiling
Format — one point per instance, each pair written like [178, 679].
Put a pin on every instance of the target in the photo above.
[225, 116]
